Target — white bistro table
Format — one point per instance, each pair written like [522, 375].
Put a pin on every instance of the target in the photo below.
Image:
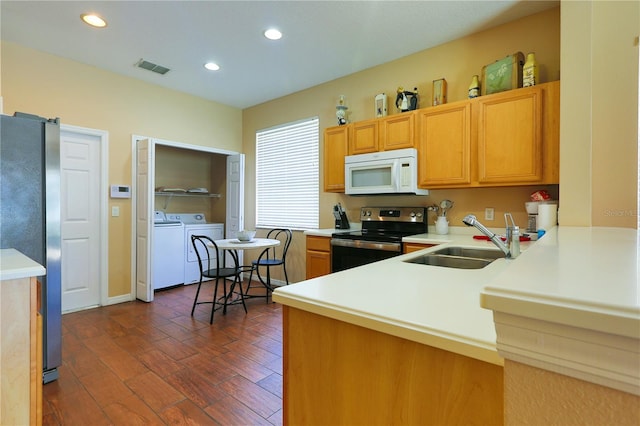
[256, 243]
[233, 245]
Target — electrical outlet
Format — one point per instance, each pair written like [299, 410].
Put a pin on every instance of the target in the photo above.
[488, 213]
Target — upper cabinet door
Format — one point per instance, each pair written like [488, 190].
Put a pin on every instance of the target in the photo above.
[444, 145]
[364, 137]
[398, 131]
[510, 137]
[336, 140]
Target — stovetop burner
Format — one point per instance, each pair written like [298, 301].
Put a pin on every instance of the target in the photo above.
[373, 235]
[388, 224]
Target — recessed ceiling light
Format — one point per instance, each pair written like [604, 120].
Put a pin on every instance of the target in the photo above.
[273, 34]
[212, 66]
[93, 20]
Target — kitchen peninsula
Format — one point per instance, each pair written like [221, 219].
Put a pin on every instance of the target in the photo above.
[395, 342]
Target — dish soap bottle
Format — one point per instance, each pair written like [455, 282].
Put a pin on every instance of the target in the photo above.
[530, 71]
[474, 88]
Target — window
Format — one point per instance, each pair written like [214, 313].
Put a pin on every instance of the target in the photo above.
[287, 182]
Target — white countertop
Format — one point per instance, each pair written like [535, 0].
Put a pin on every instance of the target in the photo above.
[579, 276]
[580, 315]
[15, 265]
[326, 232]
[436, 306]
[587, 277]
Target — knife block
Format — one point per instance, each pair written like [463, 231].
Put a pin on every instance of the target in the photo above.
[343, 222]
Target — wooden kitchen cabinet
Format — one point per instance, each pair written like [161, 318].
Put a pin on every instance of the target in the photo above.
[383, 134]
[411, 247]
[398, 131]
[336, 141]
[444, 149]
[363, 137]
[504, 139]
[318, 256]
[509, 131]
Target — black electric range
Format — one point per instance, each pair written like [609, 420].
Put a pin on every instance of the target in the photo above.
[380, 238]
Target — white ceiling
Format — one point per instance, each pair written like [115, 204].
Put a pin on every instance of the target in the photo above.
[323, 40]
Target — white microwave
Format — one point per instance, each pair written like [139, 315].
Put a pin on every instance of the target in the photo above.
[386, 172]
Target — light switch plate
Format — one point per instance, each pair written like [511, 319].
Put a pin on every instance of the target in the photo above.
[115, 211]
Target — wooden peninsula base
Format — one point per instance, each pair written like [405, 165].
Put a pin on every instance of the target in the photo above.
[337, 373]
[20, 340]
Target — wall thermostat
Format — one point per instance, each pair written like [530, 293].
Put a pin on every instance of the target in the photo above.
[381, 105]
[120, 191]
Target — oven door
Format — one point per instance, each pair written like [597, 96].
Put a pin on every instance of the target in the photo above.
[346, 254]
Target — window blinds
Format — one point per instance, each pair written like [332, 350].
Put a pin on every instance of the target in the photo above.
[287, 178]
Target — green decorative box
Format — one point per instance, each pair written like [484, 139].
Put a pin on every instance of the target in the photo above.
[504, 74]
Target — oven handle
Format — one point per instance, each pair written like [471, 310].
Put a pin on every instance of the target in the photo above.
[370, 245]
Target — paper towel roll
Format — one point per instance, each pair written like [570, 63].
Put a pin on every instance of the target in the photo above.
[547, 216]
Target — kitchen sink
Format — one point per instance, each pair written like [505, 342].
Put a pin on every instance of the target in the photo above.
[459, 258]
[476, 253]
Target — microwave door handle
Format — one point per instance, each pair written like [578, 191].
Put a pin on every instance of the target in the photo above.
[395, 177]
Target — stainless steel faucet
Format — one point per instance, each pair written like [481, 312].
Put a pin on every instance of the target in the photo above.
[470, 220]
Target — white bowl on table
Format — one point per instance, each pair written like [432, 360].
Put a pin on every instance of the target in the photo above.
[246, 236]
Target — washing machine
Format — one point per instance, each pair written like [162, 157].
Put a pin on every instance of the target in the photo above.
[168, 250]
[195, 224]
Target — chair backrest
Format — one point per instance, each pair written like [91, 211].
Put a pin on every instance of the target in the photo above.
[285, 237]
[204, 245]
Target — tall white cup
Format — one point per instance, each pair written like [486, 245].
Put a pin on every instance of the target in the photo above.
[442, 225]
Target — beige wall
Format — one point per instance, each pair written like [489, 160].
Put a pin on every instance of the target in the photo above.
[457, 62]
[85, 96]
[185, 168]
[599, 175]
[599, 114]
[538, 397]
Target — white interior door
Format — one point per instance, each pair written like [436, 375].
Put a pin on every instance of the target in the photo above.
[145, 165]
[235, 198]
[81, 217]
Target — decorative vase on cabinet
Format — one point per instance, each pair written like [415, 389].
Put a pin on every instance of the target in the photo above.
[530, 71]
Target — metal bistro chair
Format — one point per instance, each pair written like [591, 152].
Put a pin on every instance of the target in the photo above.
[271, 257]
[205, 245]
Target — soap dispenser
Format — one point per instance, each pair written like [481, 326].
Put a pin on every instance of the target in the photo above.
[515, 242]
[512, 237]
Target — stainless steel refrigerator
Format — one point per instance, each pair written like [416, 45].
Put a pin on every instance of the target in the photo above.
[30, 213]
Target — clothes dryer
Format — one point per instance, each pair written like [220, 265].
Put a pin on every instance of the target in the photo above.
[195, 224]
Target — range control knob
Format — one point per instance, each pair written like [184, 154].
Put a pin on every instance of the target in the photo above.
[412, 214]
[366, 213]
[419, 215]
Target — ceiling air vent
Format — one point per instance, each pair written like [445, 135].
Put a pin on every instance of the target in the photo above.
[150, 66]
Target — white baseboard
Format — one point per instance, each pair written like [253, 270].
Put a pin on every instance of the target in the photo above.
[120, 299]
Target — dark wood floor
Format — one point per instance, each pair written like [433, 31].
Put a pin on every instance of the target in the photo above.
[152, 363]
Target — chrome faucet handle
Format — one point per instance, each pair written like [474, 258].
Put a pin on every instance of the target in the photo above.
[470, 220]
[507, 217]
